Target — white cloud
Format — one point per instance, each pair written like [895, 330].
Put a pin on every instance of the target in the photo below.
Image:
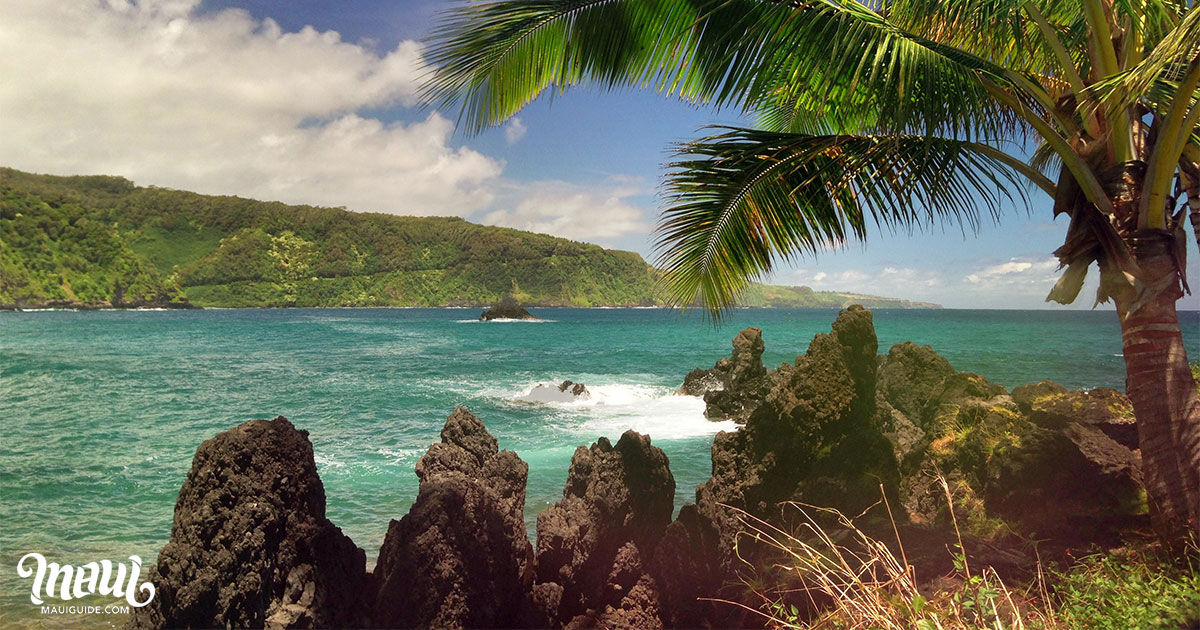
[982, 283]
[585, 213]
[222, 103]
[1015, 271]
[514, 131]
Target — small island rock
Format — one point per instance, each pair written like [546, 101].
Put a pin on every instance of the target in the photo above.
[506, 308]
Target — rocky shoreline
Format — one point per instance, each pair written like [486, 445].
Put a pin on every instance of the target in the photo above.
[77, 305]
[250, 544]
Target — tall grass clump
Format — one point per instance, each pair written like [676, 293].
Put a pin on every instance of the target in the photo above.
[830, 575]
[844, 579]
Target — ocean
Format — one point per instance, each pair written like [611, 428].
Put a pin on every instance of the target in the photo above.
[102, 411]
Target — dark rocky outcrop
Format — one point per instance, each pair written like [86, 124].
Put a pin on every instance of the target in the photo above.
[576, 389]
[251, 546]
[811, 406]
[1041, 460]
[506, 308]
[1050, 405]
[460, 557]
[841, 422]
[593, 545]
[735, 386]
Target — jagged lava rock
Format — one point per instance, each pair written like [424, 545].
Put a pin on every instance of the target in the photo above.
[1050, 405]
[734, 387]
[506, 308]
[1043, 459]
[250, 544]
[590, 545]
[813, 413]
[460, 557]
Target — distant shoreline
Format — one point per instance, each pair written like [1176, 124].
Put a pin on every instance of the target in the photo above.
[48, 309]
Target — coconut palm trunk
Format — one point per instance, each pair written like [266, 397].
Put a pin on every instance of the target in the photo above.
[1159, 383]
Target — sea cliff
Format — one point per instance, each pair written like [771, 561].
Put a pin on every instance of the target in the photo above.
[102, 242]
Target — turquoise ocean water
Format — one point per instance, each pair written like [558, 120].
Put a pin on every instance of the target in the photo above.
[102, 411]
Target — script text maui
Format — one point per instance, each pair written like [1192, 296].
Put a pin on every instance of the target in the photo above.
[89, 579]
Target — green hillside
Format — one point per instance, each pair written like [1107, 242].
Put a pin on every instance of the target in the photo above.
[102, 241]
[766, 295]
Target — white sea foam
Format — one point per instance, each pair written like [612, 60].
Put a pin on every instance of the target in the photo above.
[324, 461]
[550, 393]
[613, 408]
[507, 320]
[401, 455]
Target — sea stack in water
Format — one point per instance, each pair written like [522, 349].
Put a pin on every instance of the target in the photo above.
[734, 387]
[506, 308]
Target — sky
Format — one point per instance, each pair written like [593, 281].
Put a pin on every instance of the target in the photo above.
[316, 102]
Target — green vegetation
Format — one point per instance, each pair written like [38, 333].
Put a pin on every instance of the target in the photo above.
[99, 240]
[848, 579]
[1129, 589]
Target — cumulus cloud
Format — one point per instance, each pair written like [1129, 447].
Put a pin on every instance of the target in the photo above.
[1016, 271]
[982, 283]
[158, 92]
[585, 213]
[514, 131]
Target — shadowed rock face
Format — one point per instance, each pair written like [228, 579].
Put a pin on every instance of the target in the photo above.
[460, 557]
[250, 545]
[735, 386]
[592, 545]
[811, 408]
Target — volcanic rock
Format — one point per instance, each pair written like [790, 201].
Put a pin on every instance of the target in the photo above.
[590, 545]
[460, 557]
[734, 387]
[250, 544]
[1050, 405]
[1043, 459]
[576, 389]
[506, 308]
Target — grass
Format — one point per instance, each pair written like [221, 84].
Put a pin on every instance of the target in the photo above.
[835, 577]
[166, 249]
[1128, 589]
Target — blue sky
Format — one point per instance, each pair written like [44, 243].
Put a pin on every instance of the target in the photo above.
[311, 101]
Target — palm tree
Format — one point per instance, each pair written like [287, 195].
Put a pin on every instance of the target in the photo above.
[905, 114]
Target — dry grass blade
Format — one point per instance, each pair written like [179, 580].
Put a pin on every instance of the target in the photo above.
[859, 583]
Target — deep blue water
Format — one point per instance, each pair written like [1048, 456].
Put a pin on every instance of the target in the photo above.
[102, 411]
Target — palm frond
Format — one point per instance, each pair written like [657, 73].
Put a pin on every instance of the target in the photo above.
[830, 62]
[1046, 160]
[742, 199]
[1000, 31]
[493, 58]
[1167, 61]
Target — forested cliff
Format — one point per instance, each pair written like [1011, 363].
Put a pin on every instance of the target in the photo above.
[102, 241]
